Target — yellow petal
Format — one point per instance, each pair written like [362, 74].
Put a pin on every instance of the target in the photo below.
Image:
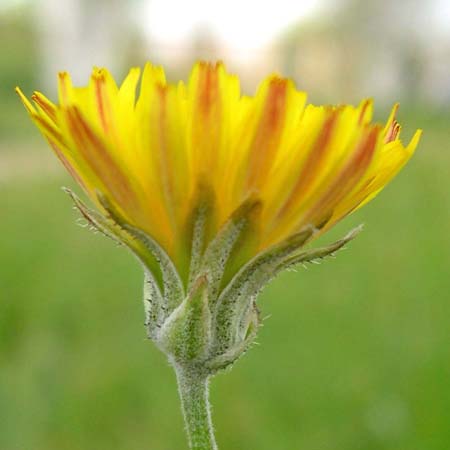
[308, 166]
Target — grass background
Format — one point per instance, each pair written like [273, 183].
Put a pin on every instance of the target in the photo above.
[355, 354]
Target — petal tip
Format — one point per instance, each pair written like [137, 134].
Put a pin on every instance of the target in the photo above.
[28, 106]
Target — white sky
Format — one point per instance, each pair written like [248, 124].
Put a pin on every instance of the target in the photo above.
[244, 24]
[442, 15]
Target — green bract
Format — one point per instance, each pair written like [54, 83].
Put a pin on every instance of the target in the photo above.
[206, 326]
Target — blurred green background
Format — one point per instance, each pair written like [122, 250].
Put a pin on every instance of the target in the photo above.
[355, 353]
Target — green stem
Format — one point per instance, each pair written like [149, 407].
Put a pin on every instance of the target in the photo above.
[194, 393]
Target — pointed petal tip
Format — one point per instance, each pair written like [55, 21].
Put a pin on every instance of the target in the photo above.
[62, 75]
[98, 73]
[414, 142]
[28, 105]
[209, 65]
[366, 102]
[416, 137]
[19, 92]
[135, 70]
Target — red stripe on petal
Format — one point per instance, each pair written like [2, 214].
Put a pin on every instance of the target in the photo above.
[46, 106]
[64, 78]
[392, 132]
[99, 89]
[268, 133]
[310, 169]
[363, 111]
[48, 128]
[67, 165]
[208, 87]
[346, 180]
[392, 129]
[96, 154]
[275, 104]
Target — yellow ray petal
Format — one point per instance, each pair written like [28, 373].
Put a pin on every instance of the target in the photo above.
[148, 153]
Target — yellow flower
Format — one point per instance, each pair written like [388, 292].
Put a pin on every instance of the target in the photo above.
[153, 156]
[215, 193]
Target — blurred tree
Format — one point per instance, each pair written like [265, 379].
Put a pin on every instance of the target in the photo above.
[390, 50]
[76, 35]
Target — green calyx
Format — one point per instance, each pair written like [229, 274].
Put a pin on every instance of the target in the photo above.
[208, 322]
[186, 335]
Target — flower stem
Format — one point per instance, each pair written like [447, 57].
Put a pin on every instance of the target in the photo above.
[193, 388]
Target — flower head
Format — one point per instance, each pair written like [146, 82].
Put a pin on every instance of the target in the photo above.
[198, 179]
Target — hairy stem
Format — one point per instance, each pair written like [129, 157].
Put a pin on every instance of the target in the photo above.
[194, 392]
